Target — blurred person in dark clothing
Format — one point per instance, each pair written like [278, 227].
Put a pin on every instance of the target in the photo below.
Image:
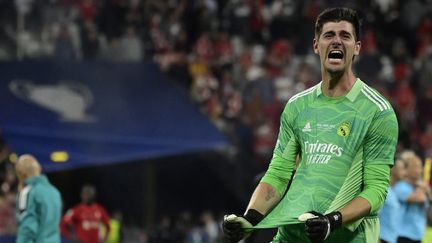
[82, 223]
[64, 48]
[38, 204]
[164, 231]
[90, 41]
[369, 64]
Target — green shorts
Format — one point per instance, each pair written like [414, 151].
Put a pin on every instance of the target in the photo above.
[366, 232]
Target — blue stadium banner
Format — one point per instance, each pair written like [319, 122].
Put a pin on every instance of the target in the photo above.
[73, 115]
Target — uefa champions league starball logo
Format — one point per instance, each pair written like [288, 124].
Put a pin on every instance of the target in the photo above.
[70, 100]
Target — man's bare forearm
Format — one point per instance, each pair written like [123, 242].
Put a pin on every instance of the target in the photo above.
[264, 198]
[356, 209]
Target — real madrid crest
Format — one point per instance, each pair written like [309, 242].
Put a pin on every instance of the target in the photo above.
[344, 129]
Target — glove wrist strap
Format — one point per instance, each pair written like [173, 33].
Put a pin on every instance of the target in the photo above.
[253, 216]
[335, 219]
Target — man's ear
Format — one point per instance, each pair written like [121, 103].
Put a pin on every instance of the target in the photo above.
[357, 48]
[315, 46]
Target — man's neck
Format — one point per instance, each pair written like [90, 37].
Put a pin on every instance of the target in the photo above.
[27, 177]
[336, 85]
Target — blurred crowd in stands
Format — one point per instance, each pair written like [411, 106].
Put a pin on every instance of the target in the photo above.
[239, 60]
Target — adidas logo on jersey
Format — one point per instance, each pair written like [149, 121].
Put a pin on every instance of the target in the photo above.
[307, 127]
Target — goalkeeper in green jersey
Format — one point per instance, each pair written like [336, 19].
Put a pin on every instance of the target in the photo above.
[344, 134]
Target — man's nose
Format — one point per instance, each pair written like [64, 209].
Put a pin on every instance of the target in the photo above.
[336, 41]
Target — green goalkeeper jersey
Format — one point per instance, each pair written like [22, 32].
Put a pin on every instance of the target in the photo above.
[334, 138]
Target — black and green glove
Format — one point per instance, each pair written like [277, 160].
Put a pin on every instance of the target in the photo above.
[319, 227]
[236, 228]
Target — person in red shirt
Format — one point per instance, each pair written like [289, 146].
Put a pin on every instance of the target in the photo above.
[83, 222]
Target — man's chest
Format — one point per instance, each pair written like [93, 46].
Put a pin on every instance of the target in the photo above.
[90, 214]
[330, 131]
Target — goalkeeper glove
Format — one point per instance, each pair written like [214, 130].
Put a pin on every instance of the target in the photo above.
[236, 228]
[319, 226]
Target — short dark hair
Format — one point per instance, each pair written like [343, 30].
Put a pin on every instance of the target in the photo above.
[337, 15]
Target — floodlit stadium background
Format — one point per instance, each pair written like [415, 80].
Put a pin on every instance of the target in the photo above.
[171, 108]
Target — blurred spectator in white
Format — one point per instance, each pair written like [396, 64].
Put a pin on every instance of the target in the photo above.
[384, 5]
[265, 135]
[204, 91]
[285, 88]
[211, 227]
[301, 75]
[23, 6]
[27, 24]
[130, 46]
